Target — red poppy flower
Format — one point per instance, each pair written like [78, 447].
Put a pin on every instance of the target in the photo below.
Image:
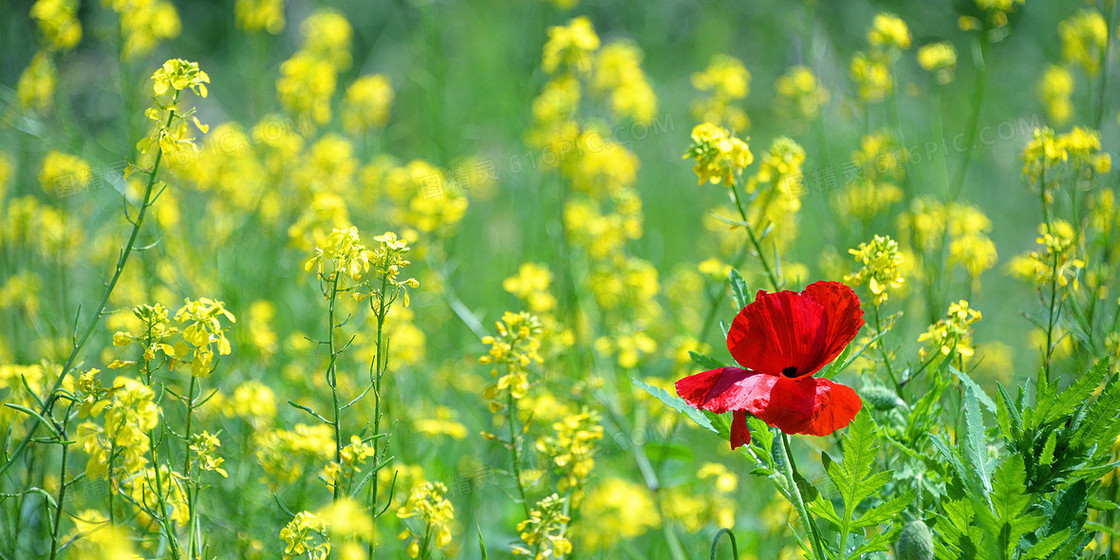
[781, 339]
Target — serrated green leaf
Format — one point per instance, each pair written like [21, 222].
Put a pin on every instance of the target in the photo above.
[887, 510]
[739, 290]
[1053, 405]
[1102, 424]
[704, 360]
[1047, 455]
[950, 456]
[974, 443]
[1007, 522]
[676, 403]
[1011, 409]
[1047, 545]
[980, 394]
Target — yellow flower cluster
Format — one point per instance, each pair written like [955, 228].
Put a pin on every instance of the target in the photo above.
[872, 72]
[252, 15]
[353, 458]
[616, 509]
[306, 537]
[252, 401]
[1084, 39]
[997, 12]
[570, 47]
[130, 413]
[58, 23]
[727, 81]
[544, 532]
[572, 447]
[342, 255]
[63, 174]
[283, 453]
[308, 79]
[1057, 260]
[170, 130]
[35, 88]
[939, 58]
[720, 157]
[800, 92]
[95, 538]
[929, 221]
[1055, 88]
[619, 76]
[366, 104]
[515, 348]
[951, 333]
[1046, 152]
[144, 23]
[880, 259]
[872, 190]
[434, 515]
[889, 31]
[204, 333]
[709, 501]
[203, 446]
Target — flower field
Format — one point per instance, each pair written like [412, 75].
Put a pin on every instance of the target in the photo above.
[311, 279]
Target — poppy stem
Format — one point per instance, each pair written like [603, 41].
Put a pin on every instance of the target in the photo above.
[790, 472]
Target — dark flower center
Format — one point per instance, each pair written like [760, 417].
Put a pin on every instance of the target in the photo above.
[790, 371]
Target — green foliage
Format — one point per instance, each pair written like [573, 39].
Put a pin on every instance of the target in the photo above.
[857, 484]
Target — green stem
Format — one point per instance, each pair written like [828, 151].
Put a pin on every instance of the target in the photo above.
[789, 469]
[61, 494]
[69, 365]
[332, 380]
[191, 544]
[514, 441]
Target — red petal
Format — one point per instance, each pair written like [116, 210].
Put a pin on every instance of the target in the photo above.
[809, 405]
[721, 390]
[844, 318]
[740, 435]
[803, 330]
[777, 331]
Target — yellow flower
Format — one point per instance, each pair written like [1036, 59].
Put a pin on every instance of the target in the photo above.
[800, 90]
[615, 510]
[35, 88]
[367, 102]
[252, 15]
[951, 334]
[64, 174]
[719, 156]
[570, 48]
[881, 262]
[618, 71]
[939, 58]
[1084, 38]
[726, 80]
[889, 30]
[58, 22]
[433, 515]
[1056, 90]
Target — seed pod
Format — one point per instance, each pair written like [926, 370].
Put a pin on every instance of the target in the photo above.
[915, 542]
[881, 398]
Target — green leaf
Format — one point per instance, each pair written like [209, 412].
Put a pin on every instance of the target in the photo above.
[975, 446]
[49, 425]
[980, 394]
[703, 360]
[1047, 455]
[739, 290]
[1053, 405]
[677, 404]
[1047, 545]
[951, 457]
[1007, 522]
